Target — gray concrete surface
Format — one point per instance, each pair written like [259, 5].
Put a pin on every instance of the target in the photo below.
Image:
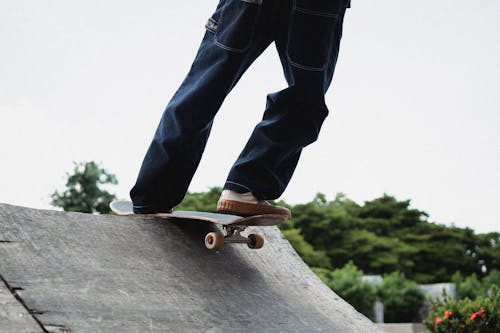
[14, 317]
[87, 273]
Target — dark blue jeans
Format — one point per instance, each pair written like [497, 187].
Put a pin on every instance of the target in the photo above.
[307, 34]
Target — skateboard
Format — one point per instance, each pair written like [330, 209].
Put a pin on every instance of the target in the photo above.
[232, 225]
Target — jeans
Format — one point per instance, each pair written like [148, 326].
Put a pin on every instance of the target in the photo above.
[307, 35]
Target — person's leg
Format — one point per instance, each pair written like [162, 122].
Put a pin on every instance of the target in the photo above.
[308, 45]
[236, 35]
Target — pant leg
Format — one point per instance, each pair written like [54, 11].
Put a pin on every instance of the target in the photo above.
[236, 35]
[308, 45]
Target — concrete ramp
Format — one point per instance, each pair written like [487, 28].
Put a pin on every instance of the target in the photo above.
[72, 272]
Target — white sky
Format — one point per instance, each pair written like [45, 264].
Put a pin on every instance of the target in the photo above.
[415, 104]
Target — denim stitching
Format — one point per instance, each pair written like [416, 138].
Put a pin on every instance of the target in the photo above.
[307, 68]
[290, 24]
[235, 183]
[211, 25]
[222, 46]
[228, 48]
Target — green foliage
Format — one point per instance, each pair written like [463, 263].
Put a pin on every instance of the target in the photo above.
[347, 283]
[84, 192]
[493, 278]
[402, 298]
[201, 201]
[487, 250]
[471, 287]
[305, 250]
[386, 235]
[481, 315]
[467, 287]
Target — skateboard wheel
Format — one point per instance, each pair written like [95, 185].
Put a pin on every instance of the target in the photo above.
[255, 241]
[214, 240]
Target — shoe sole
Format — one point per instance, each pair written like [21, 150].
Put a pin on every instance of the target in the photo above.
[249, 209]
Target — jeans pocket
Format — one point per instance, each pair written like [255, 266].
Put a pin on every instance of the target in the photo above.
[311, 32]
[237, 23]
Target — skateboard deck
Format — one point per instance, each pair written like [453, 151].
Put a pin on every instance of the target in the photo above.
[232, 225]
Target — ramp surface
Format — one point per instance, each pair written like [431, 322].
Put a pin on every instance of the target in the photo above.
[77, 272]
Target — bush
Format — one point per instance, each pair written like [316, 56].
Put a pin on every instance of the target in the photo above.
[402, 298]
[347, 283]
[481, 315]
[467, 287]
[471, 287]
[491, 279]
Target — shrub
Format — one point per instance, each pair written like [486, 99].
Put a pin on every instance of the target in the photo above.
[481, 315]
[402, 298]
[471, 287]
[493, 278]
[347, 283]
[467, 287]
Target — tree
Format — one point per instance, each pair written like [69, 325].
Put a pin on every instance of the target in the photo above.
[487, 251]
[385, 235]
[84, 190]
[305, 250]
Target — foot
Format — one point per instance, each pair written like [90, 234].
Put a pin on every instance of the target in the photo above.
[245, 204]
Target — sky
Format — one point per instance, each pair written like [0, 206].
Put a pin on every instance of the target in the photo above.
[414, 106]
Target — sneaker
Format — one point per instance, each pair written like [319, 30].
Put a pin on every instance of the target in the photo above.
[245, 204]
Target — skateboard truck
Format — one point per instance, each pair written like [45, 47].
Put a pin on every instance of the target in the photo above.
[215, 240]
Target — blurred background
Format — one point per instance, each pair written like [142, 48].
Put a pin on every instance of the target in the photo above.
[408, 157]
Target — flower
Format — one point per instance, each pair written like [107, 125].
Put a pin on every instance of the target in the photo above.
[474, 316]
[448, 314]
[483, 313]
[437, 320]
